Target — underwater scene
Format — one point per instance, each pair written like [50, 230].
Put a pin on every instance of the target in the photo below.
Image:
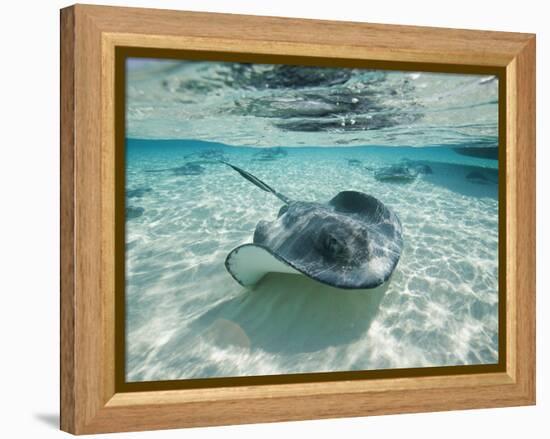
[287, 219]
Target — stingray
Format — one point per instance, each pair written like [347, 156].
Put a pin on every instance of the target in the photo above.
[137, 193]
[352, 242]
[417, 166]
[396, 174]
[354, 163]
[209, 154]
[134, 212]
[270, 154]
[191, 168]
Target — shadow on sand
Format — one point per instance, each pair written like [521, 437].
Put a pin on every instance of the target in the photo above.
[288, 313]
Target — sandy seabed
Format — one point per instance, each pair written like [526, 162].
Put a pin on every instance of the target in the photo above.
[187, 318]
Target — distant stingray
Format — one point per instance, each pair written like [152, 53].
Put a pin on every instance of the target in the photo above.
[138, 192]
[134, 212]
[209, 154]
[270, 154]
[353, 241]
[417, 166]
[405, 171]
[354, 163]
[396, 174]
[191, 168]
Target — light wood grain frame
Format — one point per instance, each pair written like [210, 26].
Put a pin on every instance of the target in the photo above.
[89, 38]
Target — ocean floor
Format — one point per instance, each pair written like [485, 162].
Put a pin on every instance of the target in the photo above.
[186, 317]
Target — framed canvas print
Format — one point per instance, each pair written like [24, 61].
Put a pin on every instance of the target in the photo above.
[268, 219]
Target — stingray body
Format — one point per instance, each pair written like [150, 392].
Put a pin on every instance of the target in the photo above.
[138, 193]
[190, 168]
[353, 242]
[396, 174]
[354, 163]
[270, 154]
[404, 172]
[209, 154]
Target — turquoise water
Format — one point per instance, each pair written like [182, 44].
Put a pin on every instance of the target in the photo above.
[188, 318]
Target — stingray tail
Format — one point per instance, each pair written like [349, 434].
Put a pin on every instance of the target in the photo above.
[256, 181]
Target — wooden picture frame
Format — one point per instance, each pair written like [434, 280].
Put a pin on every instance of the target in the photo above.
[91, 401]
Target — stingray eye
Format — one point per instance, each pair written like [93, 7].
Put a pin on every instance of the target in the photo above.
[333, 246]
[282, 210]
